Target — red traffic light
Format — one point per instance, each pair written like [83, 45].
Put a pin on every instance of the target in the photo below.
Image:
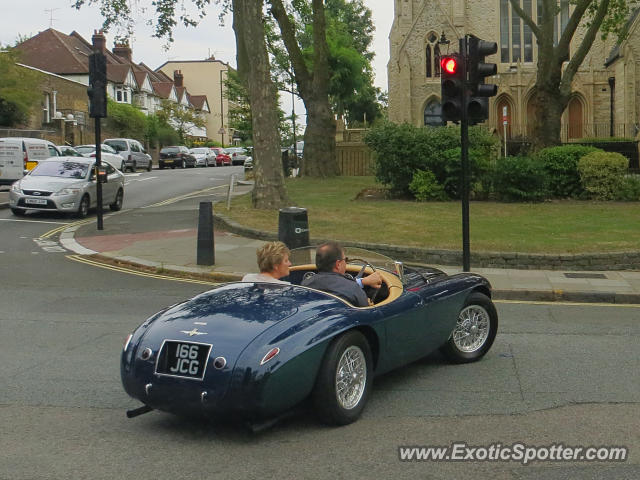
[449, 64]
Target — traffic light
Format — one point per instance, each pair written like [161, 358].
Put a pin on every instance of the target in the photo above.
[97, 90]
[478, 104]
[452, 86]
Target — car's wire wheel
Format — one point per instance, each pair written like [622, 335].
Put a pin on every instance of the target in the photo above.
[472, 328]
[351, 377]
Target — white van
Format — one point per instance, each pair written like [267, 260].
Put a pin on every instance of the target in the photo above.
[18, 155]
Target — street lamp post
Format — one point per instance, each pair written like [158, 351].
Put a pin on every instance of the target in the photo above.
[221, 109]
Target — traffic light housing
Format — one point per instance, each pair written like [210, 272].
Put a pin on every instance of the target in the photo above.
[478, 104]
[452, 87]
[97, 90]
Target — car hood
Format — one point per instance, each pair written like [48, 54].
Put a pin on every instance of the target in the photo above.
[50, 184]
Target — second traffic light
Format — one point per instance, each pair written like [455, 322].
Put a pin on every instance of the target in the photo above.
[97, 90]
[452, 78]
[478, 104]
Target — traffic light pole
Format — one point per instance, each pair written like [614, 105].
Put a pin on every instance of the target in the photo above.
[97, 175]
[464, 150]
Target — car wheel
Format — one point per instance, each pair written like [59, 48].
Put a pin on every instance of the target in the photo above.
[184, 164]
[117, 204]
[18, 212]
[161, 166]
[344, 380]
[474, 332]
[149, 167]
[123, 167]
[83, 208]
[134, 167]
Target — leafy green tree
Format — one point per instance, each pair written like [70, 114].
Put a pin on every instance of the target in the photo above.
[182, 119]
[19, 89]
[557, 63]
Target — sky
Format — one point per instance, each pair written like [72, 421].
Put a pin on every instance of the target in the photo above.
[28, 17]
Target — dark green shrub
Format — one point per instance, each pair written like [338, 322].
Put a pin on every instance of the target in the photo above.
[561, 165]
[425, 187]
[601, 174]
[629, 190]
[520, 179]
[401, 150]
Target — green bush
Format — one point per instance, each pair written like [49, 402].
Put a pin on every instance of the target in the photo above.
[629, 190]
[126, 120]
[520, 179]
[561, 165]
[602, 173]
[402, 150]
[425, 187]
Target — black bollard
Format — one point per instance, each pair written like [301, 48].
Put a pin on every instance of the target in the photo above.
[205, 251]
[293, 227]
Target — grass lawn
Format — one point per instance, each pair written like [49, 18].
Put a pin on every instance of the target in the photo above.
[550, 227]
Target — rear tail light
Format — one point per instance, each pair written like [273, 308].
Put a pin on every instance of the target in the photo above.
[270, 354]
[25, 159]
[92, 155]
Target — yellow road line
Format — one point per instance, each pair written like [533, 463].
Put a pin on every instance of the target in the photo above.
[79, 258]
[185, 196]
[574, 304]
[51, 233]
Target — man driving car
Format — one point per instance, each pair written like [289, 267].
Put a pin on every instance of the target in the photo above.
[332, 265]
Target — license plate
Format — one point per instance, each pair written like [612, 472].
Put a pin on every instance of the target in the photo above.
[183, 359]
[35, 201]
[168, 160]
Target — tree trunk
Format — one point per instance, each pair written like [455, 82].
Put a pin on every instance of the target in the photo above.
[254, 70]
[549, 104]
[319, 140]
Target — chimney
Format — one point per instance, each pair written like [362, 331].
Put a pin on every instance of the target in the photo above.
[99, 41]
[123, 50]
[178, 78]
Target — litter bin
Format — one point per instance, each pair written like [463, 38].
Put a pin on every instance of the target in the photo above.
[293, 227]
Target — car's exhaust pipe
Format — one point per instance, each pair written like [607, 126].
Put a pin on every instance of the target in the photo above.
[138, 411]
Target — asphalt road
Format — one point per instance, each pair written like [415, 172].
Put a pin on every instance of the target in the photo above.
[557, 374]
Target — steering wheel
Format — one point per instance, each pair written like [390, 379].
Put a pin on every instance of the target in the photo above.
[361, 275]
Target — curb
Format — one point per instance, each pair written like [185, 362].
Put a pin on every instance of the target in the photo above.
[572, 297]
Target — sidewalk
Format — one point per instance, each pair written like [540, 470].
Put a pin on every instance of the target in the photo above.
[164, 239]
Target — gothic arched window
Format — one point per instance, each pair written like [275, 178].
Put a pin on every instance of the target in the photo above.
[433, 114]
[432, 56]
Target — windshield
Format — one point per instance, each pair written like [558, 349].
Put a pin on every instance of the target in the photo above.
[61, 170]
[170, 150]
[355, 256]
[86, 149]
[117, 145]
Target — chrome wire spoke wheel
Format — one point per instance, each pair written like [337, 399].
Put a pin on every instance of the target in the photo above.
[472, 329]
[351, 377]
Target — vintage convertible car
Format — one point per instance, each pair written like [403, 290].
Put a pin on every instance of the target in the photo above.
[255, 350]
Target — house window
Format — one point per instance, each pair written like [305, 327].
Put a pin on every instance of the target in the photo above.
[516, 38]
[46, 109]
[119, 95]
[433, 114]
[122, 95]
[432, 56]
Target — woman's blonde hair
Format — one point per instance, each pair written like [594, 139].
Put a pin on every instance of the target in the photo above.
[271, 254]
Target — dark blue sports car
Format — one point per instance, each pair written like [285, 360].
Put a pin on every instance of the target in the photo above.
[255, 350]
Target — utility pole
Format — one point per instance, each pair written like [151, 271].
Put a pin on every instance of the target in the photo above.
[221, 109]
[97, 92]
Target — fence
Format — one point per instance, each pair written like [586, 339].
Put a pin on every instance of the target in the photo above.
[576, 131]
[354, 159]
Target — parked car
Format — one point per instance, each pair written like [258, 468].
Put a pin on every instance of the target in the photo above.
[133, 154]
[222, 157]
[238, 155]
[248, 164]
[69, 151]
[204, 156]
[108, 153]
[19, 155]
[66, 184]
[255, 350]
[176, 156]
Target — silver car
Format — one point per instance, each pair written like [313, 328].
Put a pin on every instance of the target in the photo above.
[66, 184]
[203, 156]
[133, 154]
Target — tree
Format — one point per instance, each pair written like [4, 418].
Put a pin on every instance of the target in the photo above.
[19, 92]
[126, 120]
[253, 69]
[553, 82]
[255, 74]
[180, 118]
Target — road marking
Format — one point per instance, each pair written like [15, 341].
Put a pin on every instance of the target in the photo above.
[145, 179]
[184, 197]
[51, 233]
[78, 258]
[49, 246]
[570, 304]
[31, 221]
[133, 174]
